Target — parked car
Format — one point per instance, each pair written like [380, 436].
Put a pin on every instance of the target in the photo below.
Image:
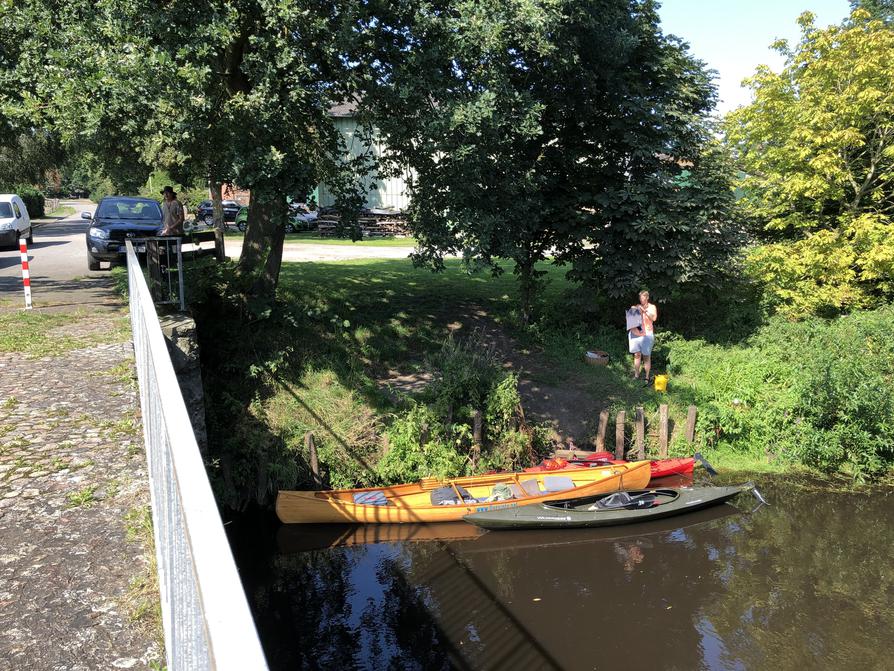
[242, 218]
[115, 220]
[301, 218]
[205, 211]
[304, 217]
[14, 220]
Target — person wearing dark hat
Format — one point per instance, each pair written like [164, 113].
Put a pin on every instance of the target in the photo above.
[171, 213]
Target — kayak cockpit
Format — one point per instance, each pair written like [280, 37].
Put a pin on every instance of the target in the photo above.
[614, 501]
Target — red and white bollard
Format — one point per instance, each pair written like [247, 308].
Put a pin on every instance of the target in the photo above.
[26, 274]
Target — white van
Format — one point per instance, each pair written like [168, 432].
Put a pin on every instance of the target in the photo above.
[14, 220]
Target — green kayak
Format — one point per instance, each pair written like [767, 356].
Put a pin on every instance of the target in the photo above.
[605, 510]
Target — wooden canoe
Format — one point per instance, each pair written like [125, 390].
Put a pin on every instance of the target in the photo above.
[411, 503]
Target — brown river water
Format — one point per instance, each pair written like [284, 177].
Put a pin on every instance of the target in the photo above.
[806, 582]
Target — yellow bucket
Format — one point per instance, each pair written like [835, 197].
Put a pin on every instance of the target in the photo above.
[661, 383]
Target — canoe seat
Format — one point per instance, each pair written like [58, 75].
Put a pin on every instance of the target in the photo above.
[517, 492]
[446, 496]
[531, 487]
[376, 498]
[557, 483]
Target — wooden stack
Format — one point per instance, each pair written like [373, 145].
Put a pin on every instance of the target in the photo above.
[372, 224]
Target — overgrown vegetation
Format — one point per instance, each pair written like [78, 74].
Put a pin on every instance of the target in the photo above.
[817, 156]
[308, 368]
[31, 333]
[816, 392]
[771, 394]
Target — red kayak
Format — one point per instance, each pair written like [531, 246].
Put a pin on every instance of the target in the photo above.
[661, 468]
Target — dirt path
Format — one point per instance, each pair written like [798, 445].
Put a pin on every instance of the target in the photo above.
[566, 405]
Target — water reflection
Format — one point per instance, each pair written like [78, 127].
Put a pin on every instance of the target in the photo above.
[806, 582]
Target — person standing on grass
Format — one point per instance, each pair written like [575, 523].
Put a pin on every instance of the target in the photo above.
[641, 338]
[171, 213]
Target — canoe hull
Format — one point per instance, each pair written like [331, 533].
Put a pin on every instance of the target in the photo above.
[661, 468]
[411, 503]
[554, 515]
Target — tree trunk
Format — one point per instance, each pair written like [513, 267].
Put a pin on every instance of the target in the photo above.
[268, 281]
[217, 202]
[258, 234]
[528, 291]
[219, 224]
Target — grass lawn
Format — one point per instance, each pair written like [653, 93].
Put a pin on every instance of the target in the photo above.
[310, 237]
[60, 212]
[38, 334]
[391, 315]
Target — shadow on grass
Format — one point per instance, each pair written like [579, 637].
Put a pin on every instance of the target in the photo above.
[364, 320]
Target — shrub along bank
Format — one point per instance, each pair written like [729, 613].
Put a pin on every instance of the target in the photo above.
[312, 365]
[814, 393]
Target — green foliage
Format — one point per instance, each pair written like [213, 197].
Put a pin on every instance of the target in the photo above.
[237, 92]
[818, 157]
[420, 446]
[502, 409]
[26, 156]
[34, 200]
[540, 129]
[464, 370]
[815, 392]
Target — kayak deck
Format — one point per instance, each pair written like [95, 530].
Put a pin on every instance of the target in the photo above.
[585, 512]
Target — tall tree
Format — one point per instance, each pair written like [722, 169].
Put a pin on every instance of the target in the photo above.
[536, 129]
[878, 9]
[209, 88]
[817, 150]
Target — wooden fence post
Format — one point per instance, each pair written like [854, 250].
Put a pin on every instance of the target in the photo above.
[662, 430]
[640, 433]
[600, 432]
[619, 434]
[314, 460]
[690, 424]
[477, 431]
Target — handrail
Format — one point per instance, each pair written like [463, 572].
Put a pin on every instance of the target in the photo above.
[206, 618]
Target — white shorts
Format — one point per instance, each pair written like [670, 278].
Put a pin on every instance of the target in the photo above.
[642, 344]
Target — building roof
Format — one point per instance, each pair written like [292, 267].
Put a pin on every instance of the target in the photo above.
[344, 109]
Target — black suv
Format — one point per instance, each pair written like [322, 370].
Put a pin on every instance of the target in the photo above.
[205, 211]
[116, 219]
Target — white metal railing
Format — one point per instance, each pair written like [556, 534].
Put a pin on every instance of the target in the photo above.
[207, 622]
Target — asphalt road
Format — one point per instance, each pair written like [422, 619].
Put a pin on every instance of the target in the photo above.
[58, 263]
[60, 278]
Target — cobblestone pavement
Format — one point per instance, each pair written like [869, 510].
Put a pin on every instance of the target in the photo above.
[75, 591]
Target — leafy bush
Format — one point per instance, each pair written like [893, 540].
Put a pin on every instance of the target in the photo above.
[464, 372]
[503, 403]
[420, 446]
[816, 392]
[34, 200]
